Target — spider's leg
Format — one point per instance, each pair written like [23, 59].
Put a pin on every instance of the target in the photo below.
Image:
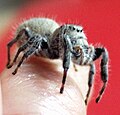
[66, 62]
[104, 68]
[63, 80]
[26, 54]
[104, 73]
[10, 44]
[75, 68]
[22, 48]
[89, 56]
[90, 81]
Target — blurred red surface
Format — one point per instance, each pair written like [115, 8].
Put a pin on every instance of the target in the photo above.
[101, 22]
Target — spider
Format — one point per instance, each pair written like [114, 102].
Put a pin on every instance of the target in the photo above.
[44, 37]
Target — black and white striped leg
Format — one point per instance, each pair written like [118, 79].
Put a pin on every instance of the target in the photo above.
[90, 81]
[104, 72]
[66, 63]
[10, 44]
[26, 54]
[22, 48]
[89, 56]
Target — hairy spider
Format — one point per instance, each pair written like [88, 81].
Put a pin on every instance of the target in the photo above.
[44, 37]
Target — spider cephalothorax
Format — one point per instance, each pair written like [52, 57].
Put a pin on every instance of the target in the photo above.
[44, 37]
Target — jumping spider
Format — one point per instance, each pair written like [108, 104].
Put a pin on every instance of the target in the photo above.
[44, 37]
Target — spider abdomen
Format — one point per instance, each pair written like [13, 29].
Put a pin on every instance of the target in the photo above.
[41, 26]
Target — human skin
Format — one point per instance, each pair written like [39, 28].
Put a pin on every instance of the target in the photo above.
[35, 89]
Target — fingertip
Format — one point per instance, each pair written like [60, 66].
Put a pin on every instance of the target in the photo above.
[36, 85]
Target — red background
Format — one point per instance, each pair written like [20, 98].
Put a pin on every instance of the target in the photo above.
[101, 22]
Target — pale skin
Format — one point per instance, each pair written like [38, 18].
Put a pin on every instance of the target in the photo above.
[34, 90]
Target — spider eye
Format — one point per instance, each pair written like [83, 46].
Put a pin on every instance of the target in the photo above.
[78, 30]
[81, 30]
[70, 27]
[73, 28]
